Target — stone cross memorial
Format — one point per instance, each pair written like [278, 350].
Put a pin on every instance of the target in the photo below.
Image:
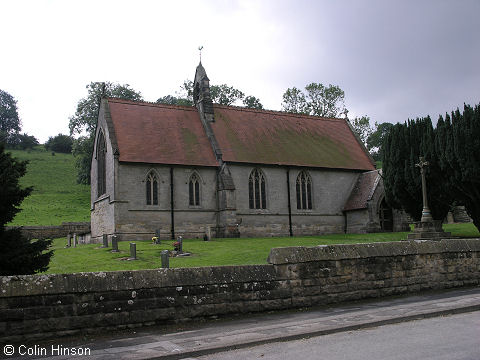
[427, 228]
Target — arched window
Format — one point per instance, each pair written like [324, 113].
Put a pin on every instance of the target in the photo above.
[101, 166]
[152, 189]
[256, 190]
[304, 191]
[194, 190]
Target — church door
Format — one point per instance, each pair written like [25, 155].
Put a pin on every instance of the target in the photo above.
[386, 216]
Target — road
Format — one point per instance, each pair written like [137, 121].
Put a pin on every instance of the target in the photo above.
[453, 337]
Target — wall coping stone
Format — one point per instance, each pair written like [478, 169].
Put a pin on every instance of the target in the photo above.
[47, 284]
[301, 254]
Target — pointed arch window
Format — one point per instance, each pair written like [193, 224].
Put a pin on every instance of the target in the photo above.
[101, 166]
[194, 190]
[304, 191]
[152, 189]
[256, 190]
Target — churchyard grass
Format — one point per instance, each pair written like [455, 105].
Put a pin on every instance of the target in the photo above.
[56, 197]
[243, 251]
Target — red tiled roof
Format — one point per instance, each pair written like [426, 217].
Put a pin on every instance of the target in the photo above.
[362, 191]
[160, 134]
[271, 137]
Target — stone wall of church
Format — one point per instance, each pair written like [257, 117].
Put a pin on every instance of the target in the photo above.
[137, 220]
[330, 190]
[101, 207]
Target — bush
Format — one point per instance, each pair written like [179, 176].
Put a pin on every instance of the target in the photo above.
[60, 143]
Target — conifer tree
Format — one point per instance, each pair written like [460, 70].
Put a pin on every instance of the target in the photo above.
[403, 146]
[19, 255]
[458, 144]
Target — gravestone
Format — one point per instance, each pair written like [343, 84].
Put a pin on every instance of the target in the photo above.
[105, 241]
[114, 243]
[74, 239]
[133, 251]
[157, 235]
[69, 240]
[165, 259]
[180, 246]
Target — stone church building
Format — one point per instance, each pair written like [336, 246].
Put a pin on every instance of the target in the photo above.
[229, 171]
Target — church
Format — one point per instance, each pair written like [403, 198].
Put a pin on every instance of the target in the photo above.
[229, 171]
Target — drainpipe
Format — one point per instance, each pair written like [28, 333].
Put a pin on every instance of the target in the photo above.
[172, 229]
[289, 203]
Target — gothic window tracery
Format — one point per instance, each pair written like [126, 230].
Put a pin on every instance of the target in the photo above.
[304, 191]
[194, 190]
[101, 166]
[152, 189]
[256, 190]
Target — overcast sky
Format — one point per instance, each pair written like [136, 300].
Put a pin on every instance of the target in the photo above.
[394, 59]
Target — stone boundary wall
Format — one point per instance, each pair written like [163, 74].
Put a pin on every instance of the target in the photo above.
[53, 232]
[47, 306]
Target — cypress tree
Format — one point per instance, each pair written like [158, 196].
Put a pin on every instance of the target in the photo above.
[403, 186]
[18, 255]
[458, 144]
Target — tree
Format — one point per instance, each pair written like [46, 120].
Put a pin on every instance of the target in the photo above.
[225, 95]
[9, 120]
[220, 94]
[173, 100]
[18, 256]
[319, 100]
[26, 141]
[294, 101]
[457, 143]
[252, 102]
[362, 127]
[85, 121]
[60, 143]
[376, 138]
[403, 146]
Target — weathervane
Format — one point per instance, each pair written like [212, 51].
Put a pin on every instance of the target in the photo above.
[200, 51]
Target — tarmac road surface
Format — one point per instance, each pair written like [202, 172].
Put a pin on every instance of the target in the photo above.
[452, 337]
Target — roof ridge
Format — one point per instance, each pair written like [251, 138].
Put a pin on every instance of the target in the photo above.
[149, 103]
[278, 112]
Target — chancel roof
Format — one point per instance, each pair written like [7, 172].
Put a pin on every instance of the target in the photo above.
[160, 134]
[272, 137]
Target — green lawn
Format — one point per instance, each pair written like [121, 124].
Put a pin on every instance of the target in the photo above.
[56, 197]
[217, 252]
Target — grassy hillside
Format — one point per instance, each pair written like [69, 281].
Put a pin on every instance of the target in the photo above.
[56, 196]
